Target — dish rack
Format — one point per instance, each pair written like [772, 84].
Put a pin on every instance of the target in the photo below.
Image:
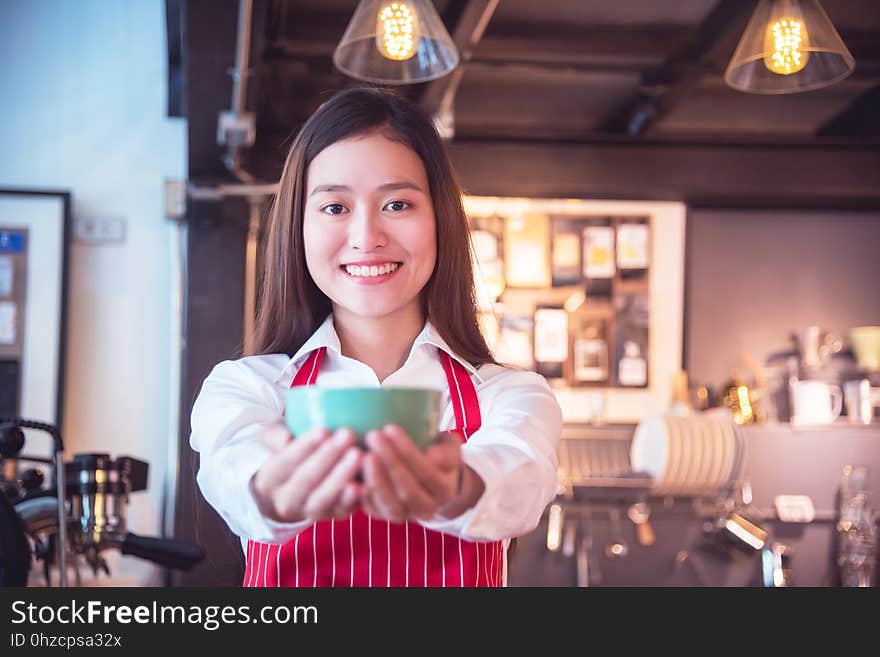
[594, 466]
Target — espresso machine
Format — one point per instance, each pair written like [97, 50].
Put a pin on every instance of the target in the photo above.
[77, 519]
[817, 364]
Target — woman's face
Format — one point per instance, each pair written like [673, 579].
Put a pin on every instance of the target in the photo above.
[368, 226]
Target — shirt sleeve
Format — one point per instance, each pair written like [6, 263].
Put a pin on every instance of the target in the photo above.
[227, 416]
[514, 452]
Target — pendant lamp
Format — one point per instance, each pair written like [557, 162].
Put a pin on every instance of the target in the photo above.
[396, 42]
[789, 46]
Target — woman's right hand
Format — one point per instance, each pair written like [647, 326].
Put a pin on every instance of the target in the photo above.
[311, 477]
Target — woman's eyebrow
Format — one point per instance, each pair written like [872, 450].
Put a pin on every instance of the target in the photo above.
[387, 187]
[330, 188]
[402, 184]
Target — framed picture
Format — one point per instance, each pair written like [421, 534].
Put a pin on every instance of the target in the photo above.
[34, 257]
[603, 282]
[527, 250]
[565, 245]
[487, 238]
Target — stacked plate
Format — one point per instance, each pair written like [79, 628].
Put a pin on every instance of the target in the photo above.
[582, 459]
[688, 455]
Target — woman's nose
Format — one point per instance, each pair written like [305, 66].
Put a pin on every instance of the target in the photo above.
[365, 231]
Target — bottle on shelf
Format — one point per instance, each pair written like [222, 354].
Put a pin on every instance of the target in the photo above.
[633, 368]
[632, 248]
[551, 341]
[598, 257]
[681, 396]
[589, 349]
[565, 258]
[631, 339]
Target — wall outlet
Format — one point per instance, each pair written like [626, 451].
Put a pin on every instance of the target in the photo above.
[99, 230]
[175, 199]
[236, 129]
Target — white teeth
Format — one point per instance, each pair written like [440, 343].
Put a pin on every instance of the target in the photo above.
[373, 270]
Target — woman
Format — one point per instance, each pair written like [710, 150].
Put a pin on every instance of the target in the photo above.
[367, 281]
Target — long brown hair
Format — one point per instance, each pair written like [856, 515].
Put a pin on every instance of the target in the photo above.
[290, 305]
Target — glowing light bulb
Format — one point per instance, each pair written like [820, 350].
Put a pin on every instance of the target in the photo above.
[785, 43]
[397, 31]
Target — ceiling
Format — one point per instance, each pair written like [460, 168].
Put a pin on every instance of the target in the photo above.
[581, 70]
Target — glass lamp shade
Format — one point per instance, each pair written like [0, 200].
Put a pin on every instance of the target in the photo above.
[789, 46]
[395, 42]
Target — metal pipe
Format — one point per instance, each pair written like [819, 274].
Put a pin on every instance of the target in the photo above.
[250, 274]
[222, 191]
[172, 470]
[62, 516]
[242, 56]
[239, 85]
[475, 26]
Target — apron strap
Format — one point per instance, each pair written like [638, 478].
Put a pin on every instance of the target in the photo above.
[308, 373]
[463, 394]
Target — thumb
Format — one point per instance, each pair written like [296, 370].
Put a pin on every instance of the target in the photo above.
[445, 453]
[275, 435]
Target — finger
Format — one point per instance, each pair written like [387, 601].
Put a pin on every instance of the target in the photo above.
[369, 506]
[417, 461]
[308, 474]
[433, 469]
[367, 503]
[277, 469]
[325, 496]
[348, 500]
[381, 494]
[445, 453]
[405, 445]
[406, 480]
[406, 486]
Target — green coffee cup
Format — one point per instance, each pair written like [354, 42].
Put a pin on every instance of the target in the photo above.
[416, 410]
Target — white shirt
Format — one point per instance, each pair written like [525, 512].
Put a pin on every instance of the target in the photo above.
[514, 451]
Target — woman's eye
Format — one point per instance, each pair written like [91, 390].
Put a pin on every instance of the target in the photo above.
[333, 208]
[397, 206]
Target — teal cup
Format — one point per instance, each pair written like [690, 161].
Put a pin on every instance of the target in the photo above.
[416, 410]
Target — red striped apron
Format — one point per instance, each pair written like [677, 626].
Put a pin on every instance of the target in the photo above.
[365, 551]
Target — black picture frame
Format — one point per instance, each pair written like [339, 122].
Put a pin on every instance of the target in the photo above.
[31, 198]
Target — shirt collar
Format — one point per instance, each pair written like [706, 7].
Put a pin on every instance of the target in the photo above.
[325, 336]
[430, 336]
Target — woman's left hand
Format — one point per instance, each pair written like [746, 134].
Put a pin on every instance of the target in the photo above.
[404, 483]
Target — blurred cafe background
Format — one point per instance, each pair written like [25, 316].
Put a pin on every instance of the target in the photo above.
[675, 212]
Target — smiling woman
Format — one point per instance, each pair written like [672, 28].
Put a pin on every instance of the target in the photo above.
[367, 283]
[369, 230]
[334, 169]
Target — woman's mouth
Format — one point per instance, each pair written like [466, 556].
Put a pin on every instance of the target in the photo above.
[371, 273]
